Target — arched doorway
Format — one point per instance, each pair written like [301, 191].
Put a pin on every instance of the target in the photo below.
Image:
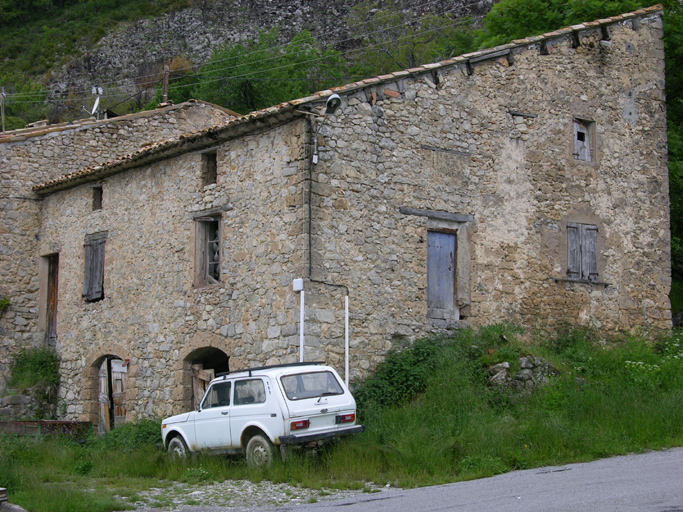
[205, 363]
[113, 379]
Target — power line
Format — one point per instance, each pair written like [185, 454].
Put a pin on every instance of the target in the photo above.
[253, 52]
[361, 51]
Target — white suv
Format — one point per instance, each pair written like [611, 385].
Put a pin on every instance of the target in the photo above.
[252, 411]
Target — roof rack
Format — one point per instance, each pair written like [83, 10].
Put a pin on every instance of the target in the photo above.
[310, 363]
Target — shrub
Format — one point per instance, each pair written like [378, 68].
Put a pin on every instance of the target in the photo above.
[34, 367]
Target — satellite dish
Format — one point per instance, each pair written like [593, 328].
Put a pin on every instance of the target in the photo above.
[94, 108]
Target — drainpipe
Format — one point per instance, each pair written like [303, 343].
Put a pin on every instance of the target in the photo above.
[311, 163]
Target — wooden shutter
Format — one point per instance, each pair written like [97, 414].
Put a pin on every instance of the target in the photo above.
[93, 278]
[573, 251]
[589, 251]
[440, 274]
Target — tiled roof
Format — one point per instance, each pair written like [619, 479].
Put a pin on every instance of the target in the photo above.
[288, 110]
[23, 134]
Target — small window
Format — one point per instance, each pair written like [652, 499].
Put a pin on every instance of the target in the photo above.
[218, 395]
[441, 275]
[582, 254]
[584, 140]
[96, 198]
[208, 251]
[93, 278]
[209, 169]
[249, 391]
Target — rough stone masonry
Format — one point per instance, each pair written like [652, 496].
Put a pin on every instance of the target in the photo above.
[525, 183]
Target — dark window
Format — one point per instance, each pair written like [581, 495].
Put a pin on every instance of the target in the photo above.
[218, 395]
[583, 140]
[208, 250]
[441, 274]
[249, 391]
[209, 171]
[582, 253]
[93, 279]
[96, 198]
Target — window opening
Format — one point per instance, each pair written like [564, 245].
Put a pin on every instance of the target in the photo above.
[208, 250]
[210, 169]
[582, 254]
[96, 198]
[93, 279]
[583, 140]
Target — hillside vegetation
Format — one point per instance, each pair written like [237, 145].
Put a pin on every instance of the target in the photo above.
[431, 417]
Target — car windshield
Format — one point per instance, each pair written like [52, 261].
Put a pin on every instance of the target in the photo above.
[311, 385]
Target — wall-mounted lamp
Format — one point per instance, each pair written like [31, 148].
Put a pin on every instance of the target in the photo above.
[331, 106]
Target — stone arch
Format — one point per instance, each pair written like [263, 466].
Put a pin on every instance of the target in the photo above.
[212, 352]
[91, 380]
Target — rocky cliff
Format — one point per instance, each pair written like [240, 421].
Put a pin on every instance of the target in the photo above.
[130, 58]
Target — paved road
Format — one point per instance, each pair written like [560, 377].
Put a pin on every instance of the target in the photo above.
[650, 482]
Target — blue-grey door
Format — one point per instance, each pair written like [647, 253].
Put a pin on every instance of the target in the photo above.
[440, 274]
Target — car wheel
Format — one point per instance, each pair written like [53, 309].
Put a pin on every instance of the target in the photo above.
[177, 448]
[260, 451]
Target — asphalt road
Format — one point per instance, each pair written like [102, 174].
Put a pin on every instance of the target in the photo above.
[650, 482]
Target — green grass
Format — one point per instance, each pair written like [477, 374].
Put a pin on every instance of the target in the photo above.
[443, 424]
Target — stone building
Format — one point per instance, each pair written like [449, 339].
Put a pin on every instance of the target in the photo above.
[31, 156]
[526, 183]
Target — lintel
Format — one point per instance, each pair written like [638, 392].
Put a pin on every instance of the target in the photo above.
[434, 214]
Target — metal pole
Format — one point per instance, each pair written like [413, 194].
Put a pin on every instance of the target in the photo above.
[166, 71]
[346, 340]
[301, 328]
[2, 107]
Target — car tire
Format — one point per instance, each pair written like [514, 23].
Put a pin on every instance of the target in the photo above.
[260, 451]
[178, 448]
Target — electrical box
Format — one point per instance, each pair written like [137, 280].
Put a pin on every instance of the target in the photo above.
[298, 285]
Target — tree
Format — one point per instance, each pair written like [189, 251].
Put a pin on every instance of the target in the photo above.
[392, 39]
[261, 73]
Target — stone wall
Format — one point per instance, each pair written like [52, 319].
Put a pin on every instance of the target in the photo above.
[494, 140]
[152, 313]
[480, 146]
[29, 157]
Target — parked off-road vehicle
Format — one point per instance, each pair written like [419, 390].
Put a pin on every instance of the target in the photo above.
[256, 410]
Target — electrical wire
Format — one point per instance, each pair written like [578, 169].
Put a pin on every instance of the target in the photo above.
[361, 51]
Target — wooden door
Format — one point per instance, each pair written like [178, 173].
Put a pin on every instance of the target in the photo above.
[52, 293]
[440, 274]
[200, 381]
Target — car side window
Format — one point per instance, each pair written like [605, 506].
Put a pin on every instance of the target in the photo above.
[218, 395]
[250, 391]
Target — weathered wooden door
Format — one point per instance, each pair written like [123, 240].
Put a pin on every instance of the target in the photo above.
[112, 397]
[119, 375]
[200, 381]
[440, 274]
[52, 294]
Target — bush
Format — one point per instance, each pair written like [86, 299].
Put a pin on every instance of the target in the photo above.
[132, 435]
[34, 367]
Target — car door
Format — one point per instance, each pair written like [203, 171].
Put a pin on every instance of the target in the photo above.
[254, 405]
[212, 421]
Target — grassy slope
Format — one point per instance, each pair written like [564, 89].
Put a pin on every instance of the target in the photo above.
[444, 424]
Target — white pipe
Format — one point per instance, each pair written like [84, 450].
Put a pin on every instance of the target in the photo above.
[301, 328]
[346, 340]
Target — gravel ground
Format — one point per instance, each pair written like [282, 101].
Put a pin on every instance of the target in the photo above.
[233, 494]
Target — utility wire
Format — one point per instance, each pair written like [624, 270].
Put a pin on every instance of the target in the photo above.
[361, 51]
[366, 35]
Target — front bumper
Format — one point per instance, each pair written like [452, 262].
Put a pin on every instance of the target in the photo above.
[323, 436]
